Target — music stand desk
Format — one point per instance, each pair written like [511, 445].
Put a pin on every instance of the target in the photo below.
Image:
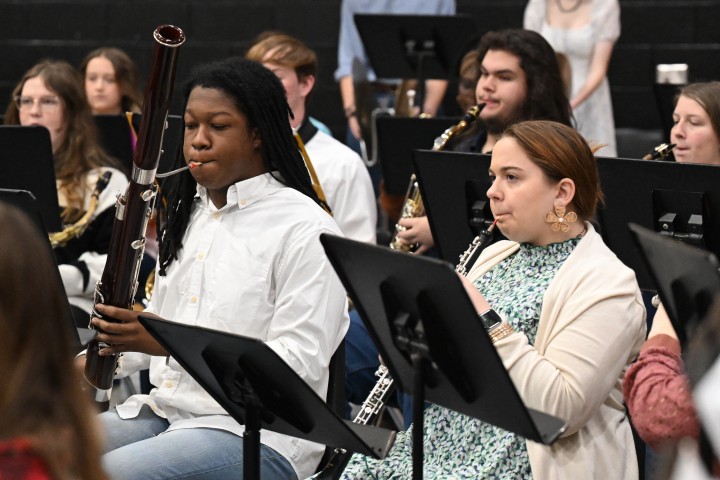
[686, 277]
[115, 137]
[451, 183]
[27, 163]
[415, 46]
[24, 201]
[641, 191]
[258, 389]
[397, 137]
[394, 43]
[416, 305]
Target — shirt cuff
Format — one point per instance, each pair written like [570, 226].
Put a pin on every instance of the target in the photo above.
[72, 278]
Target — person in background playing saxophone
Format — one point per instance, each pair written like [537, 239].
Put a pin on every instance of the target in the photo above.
[519, 80]
[239, 253]
[696, 124]
[656, 387]
[565, 315]
[341, 171]
[51, 94]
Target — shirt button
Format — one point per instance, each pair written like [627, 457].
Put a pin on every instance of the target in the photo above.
[243, 202]
[193, 299]
[201, 256]
[216, 215]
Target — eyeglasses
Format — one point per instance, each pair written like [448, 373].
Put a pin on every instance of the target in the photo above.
[46, 103]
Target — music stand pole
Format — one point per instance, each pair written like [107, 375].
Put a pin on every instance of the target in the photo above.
[251, 439]
[418, 413]
[258, 389]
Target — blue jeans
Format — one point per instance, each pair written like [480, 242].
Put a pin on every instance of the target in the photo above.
[136, 450]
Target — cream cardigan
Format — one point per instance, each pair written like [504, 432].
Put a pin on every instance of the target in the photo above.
[591, 328]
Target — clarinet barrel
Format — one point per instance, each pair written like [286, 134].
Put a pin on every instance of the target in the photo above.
[119, 279]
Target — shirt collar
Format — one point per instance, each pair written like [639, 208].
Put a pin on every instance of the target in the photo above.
[245, 192]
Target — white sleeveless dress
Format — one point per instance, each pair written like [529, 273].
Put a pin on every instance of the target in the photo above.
[594, 116]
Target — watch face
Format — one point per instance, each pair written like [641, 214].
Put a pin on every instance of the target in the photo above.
[489, 319]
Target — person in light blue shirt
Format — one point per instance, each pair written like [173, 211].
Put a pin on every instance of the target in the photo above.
[350, 47]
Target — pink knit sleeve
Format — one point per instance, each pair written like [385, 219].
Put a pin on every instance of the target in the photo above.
[658, 395]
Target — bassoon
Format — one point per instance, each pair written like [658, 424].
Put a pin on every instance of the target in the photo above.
[119, 280]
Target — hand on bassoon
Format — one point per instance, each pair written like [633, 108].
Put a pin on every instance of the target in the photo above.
[126, 334]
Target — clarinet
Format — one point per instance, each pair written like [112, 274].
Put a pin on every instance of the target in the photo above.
[372, 405]
[369, 411]
[472, 253]
[118, 283]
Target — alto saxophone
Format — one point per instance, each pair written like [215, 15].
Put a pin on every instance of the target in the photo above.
[60, 239]
[413, 204]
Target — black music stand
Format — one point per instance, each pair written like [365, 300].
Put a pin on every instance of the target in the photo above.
[258, 389]
[27, 164]
[454, 190]
[681, 200]
[415, 46]
[25, 201]
[427, 331]
[397, 137]
[686, 277]
[115, 137]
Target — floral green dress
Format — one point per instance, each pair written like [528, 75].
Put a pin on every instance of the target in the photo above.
[457, 446]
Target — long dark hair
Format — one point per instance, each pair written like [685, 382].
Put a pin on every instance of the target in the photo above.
[260, 96]
[546, 99]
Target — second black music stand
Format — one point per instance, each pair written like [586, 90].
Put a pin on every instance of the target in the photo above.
[258, 389]
[25, 201]
[454, 187]
[27, 164]
[397, 137]
[415, 46]
[686, 277]
[426, 329]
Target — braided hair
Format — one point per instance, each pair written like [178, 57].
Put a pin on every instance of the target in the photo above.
[260, 96]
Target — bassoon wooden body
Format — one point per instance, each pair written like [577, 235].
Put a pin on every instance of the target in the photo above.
[119, 280]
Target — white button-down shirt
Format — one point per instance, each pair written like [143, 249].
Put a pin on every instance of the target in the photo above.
[347, 185]
[256, 268]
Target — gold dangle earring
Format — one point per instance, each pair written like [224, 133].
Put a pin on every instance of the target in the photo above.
[559, 220]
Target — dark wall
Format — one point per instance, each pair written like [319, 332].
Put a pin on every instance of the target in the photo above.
[653, 31]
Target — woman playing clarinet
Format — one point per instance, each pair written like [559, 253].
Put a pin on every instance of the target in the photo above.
[564, 314]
